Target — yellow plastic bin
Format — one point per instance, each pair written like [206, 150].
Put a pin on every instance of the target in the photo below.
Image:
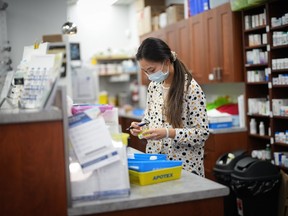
[155, 176]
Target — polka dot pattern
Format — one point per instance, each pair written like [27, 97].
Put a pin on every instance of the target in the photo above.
[188, 143]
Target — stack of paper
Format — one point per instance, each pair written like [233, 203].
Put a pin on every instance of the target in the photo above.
[99, 161]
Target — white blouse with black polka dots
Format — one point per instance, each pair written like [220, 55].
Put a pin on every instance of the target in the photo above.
[188, 144]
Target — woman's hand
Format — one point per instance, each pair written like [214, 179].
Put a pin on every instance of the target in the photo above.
[154, 134]
[136, 129]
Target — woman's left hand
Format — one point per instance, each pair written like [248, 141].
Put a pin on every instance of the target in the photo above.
[154, 134]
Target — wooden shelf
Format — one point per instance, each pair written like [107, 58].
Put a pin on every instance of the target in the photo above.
[259, 28]
[279, 70]
[281, 144]
[275, 8]
[256, 47]
[257, 83]
[117, 74]
[255, 65]
[277, 28]
[279, 47]
[113, 58]
[280, 86]
[266, 137]
[258, 116]
[281, 117]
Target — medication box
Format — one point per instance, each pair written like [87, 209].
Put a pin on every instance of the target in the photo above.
[156, 176]
[220, 125]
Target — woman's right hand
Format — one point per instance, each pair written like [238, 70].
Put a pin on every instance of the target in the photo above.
[136, 128]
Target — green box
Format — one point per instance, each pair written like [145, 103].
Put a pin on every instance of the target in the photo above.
[237, 5]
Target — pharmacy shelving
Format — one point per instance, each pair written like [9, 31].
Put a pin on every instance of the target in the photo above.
[265, 49]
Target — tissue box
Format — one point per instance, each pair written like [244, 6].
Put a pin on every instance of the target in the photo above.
[156, 176]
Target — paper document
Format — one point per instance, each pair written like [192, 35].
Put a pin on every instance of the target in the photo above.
[91, 140]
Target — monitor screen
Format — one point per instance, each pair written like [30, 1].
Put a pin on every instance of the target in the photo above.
[75, 51]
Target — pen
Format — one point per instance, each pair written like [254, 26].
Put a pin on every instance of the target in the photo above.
[140, 125]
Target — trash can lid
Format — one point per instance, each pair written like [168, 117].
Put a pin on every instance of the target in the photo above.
[226, 162]
[250, 168]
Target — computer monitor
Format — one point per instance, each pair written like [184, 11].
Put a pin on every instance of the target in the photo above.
[75, 52]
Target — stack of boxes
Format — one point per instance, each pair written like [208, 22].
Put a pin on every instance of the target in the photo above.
[146, 10]
[153, 15]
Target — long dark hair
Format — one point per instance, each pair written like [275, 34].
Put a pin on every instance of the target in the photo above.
[156, 50]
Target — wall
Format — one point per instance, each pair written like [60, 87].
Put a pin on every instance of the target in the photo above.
[102, 26]
[233, 90]
[28, 20]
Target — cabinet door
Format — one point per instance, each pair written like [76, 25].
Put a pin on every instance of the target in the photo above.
[183, 42]
[229, 44]
[161, 33]
[211, 48]
[219, 144]
[33, 180]
[177, 36]
[196, 48]
[171, 36]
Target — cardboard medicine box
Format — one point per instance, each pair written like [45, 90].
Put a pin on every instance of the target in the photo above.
[141, 4]
[145, 16]
[175, 13]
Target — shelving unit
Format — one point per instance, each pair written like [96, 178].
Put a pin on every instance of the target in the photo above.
[262, 76]
[116, 73]
[112, 66]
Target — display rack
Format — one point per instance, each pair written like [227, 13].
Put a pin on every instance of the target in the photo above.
[266, 82]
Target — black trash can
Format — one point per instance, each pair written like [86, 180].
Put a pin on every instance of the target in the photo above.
[222, 171]
[256, 185]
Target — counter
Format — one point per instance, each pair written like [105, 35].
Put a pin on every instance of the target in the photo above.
[212, 131]
[25, 116]
[189, 193]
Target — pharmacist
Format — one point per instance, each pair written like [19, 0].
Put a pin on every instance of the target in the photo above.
[175, 110]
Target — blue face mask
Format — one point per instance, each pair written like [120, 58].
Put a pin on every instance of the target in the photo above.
[159, 76]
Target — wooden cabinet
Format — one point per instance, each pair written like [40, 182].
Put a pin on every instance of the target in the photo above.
[216, 46]
[133, 141]
[210, 44]
[197, 56]
[34, 168]
[218, 144]
[263, 77]
[177, 37]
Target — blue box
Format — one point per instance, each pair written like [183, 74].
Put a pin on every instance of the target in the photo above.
[220, 125]
[198, 6]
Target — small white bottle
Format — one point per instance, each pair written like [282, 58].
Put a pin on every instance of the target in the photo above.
[261, 129]
[253, 126]
[268, 152]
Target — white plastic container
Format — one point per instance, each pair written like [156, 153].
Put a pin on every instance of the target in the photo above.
[261, 129]
[253, 126]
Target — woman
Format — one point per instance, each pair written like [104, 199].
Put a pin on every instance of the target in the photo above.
[176, 107]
